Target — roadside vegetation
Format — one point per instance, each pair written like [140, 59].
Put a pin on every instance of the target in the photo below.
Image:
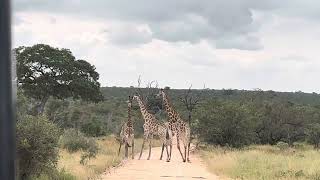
[264, 162]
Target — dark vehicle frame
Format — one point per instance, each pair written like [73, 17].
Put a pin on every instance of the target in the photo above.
[7, 119]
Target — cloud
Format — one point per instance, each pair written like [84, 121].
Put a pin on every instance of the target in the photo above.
[222, 43]
[239, 42]
[130, 35]
[228, 23]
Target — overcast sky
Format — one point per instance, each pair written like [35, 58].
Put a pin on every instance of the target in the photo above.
[243, 44]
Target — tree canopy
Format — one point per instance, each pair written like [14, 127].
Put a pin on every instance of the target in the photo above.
[44, 71]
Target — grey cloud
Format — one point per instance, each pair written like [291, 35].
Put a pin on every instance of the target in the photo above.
[228, 23]
[129, 35]
[239, 42]
[306, 9]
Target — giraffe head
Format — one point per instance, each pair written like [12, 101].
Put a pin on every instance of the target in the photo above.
[161, 93]
[136, 97]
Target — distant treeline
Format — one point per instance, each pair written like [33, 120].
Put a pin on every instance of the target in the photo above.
[224, 94]
[225, 117]
[241, 117]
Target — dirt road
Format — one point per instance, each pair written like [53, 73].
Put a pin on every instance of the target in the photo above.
[155, 169]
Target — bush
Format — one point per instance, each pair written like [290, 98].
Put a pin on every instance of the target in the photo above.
[313, 134]
[93, 128]
[282, 145]
[226, 124]
[300, 146]
[56, 174]
[37, 146]
[91, 152]
[73, 140]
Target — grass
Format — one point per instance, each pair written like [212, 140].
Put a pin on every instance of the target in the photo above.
[107, 157]
[264, 162]
[56, 174]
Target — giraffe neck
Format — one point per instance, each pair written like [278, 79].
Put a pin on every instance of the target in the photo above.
[173, 115]
[143, 108]
[129, 123]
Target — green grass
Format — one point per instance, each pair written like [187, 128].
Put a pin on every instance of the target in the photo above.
[264, 162]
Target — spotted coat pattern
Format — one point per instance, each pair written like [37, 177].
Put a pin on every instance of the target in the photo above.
[152, 127]
[178, 126]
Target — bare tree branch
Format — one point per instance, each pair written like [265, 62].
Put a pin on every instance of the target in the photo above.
[191, 100]
[145, 93]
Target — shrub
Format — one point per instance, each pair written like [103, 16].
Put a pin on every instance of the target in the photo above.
[73, 140]
[282, 145]
[299, 146]
[226, 124]
[56, 174]
[93, 128]
[313, 134]
[37, 145]
[91, 152]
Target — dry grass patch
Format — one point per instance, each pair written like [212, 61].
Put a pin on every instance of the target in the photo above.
[263, 162]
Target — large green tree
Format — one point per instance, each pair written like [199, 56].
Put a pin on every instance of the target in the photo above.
[44, 71]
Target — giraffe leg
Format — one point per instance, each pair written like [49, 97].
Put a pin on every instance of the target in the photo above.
[144, 140]
[126, 147]
[149, 149]
[162, 151]
[168, 156]
[119, 149]
[185, 153]
[188, 152]
[132, 149]
[178, 146]
[170, 151]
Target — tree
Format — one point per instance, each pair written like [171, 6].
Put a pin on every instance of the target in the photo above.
[149, 96]
[44, 71]
[281, 121]
[225, 123]
[190, 101]
[93, 128]
[313, 133]
[57, 111]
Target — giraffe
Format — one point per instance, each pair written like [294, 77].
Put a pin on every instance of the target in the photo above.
[168, 140]
[127, 133]
[178, 126]
[152, 127]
